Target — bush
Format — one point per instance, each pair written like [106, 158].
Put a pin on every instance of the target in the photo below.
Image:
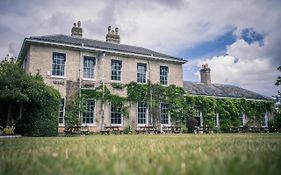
[191, 124]
[127, 130]
[26, 102]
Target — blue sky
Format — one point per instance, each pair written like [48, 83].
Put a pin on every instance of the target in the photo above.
[240, 40]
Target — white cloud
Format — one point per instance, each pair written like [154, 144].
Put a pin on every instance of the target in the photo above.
[168, 26]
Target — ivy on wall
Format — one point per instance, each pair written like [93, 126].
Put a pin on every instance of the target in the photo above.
[183, 105]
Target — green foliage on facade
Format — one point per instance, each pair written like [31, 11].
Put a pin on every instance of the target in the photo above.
[26, 102]
[183, 105]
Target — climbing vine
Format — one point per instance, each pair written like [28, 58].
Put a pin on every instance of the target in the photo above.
[181, 104]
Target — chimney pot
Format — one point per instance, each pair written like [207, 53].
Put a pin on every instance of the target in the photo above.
[108, 29]
[77, 31]
[112, 36]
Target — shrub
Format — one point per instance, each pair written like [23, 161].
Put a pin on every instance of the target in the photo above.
[191, 124]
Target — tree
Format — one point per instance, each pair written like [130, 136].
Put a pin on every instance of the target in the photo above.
[277, 118]
[26, 102]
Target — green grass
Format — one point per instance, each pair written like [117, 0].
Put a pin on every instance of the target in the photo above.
[225, 154]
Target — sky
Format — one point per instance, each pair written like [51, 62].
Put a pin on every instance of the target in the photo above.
[240, 40]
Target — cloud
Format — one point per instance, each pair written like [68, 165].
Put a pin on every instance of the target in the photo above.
[169, 26]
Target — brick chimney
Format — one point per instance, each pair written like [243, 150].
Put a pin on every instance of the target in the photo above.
[76, 30]
[205, 74]
[112, 36]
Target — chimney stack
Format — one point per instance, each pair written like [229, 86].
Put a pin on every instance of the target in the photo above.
[112, 36]
[205, 74]
[76, 30]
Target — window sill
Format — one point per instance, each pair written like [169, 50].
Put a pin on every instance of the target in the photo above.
[115, 81]
[116, 125]
[89, 79]
[90, 125]
[57, 77]
[61, 125]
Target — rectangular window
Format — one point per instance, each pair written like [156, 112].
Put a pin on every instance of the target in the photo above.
[89, 67]
[164, 113]
[116, 66]
[142, 113]
[141, 73]
[58, 64]
[264, 120]
[88, 114]
[116, 115]
[164, 75]
[61, 112]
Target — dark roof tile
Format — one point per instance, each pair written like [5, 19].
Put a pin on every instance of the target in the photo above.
[221, 90]
[103, 45]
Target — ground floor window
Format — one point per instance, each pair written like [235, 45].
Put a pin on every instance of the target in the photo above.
[164, 113]
[61, 111]
[116, 113]
[88, 114]
[264, 121]
[142, 113]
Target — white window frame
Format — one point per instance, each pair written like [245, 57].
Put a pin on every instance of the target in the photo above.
[146, 115]
[63, 111]
[94, 67]
[169, 116]
[216, 120]
[121, 66]
[200, 115]
[115, 124]
[146, 72]
[265, 119]
[242, 120]
[65, 62]
[93, 113]
[162, 66]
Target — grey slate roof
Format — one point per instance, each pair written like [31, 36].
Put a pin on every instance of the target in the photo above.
[65, 39]
[221, 90]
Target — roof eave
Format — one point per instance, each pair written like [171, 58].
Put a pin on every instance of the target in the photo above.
[182, 61]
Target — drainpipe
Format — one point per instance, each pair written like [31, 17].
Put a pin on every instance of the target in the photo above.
[150, 110]
[80, 77]
[103, 88]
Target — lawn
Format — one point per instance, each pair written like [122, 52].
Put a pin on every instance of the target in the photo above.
[225, 154]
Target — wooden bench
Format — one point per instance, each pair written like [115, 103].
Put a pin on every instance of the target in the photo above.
[147, 129]
[76, 130]
[111, 129]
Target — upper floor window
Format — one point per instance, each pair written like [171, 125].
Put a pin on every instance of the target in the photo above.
[58, 64]
[88, 114]
[61, 112]
[116, 115]
[164, 113]
[164, 75]
[116, 66]
[89, 67]
[141, 73]
[142, 113]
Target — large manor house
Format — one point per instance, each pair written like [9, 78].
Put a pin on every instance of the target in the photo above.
[70, 63]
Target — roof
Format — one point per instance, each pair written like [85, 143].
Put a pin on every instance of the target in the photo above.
[221, 90]
[107, 46]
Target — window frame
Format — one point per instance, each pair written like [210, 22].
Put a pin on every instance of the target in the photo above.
[63, 113]
[120, 76]
[52, 63]
[93, 113]
[94, 67]
[121, 115]
[146, 67]
[164, 82]
[167, 113]
[146, 114]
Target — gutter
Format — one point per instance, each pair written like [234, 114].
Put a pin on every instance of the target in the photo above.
[95, 49]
